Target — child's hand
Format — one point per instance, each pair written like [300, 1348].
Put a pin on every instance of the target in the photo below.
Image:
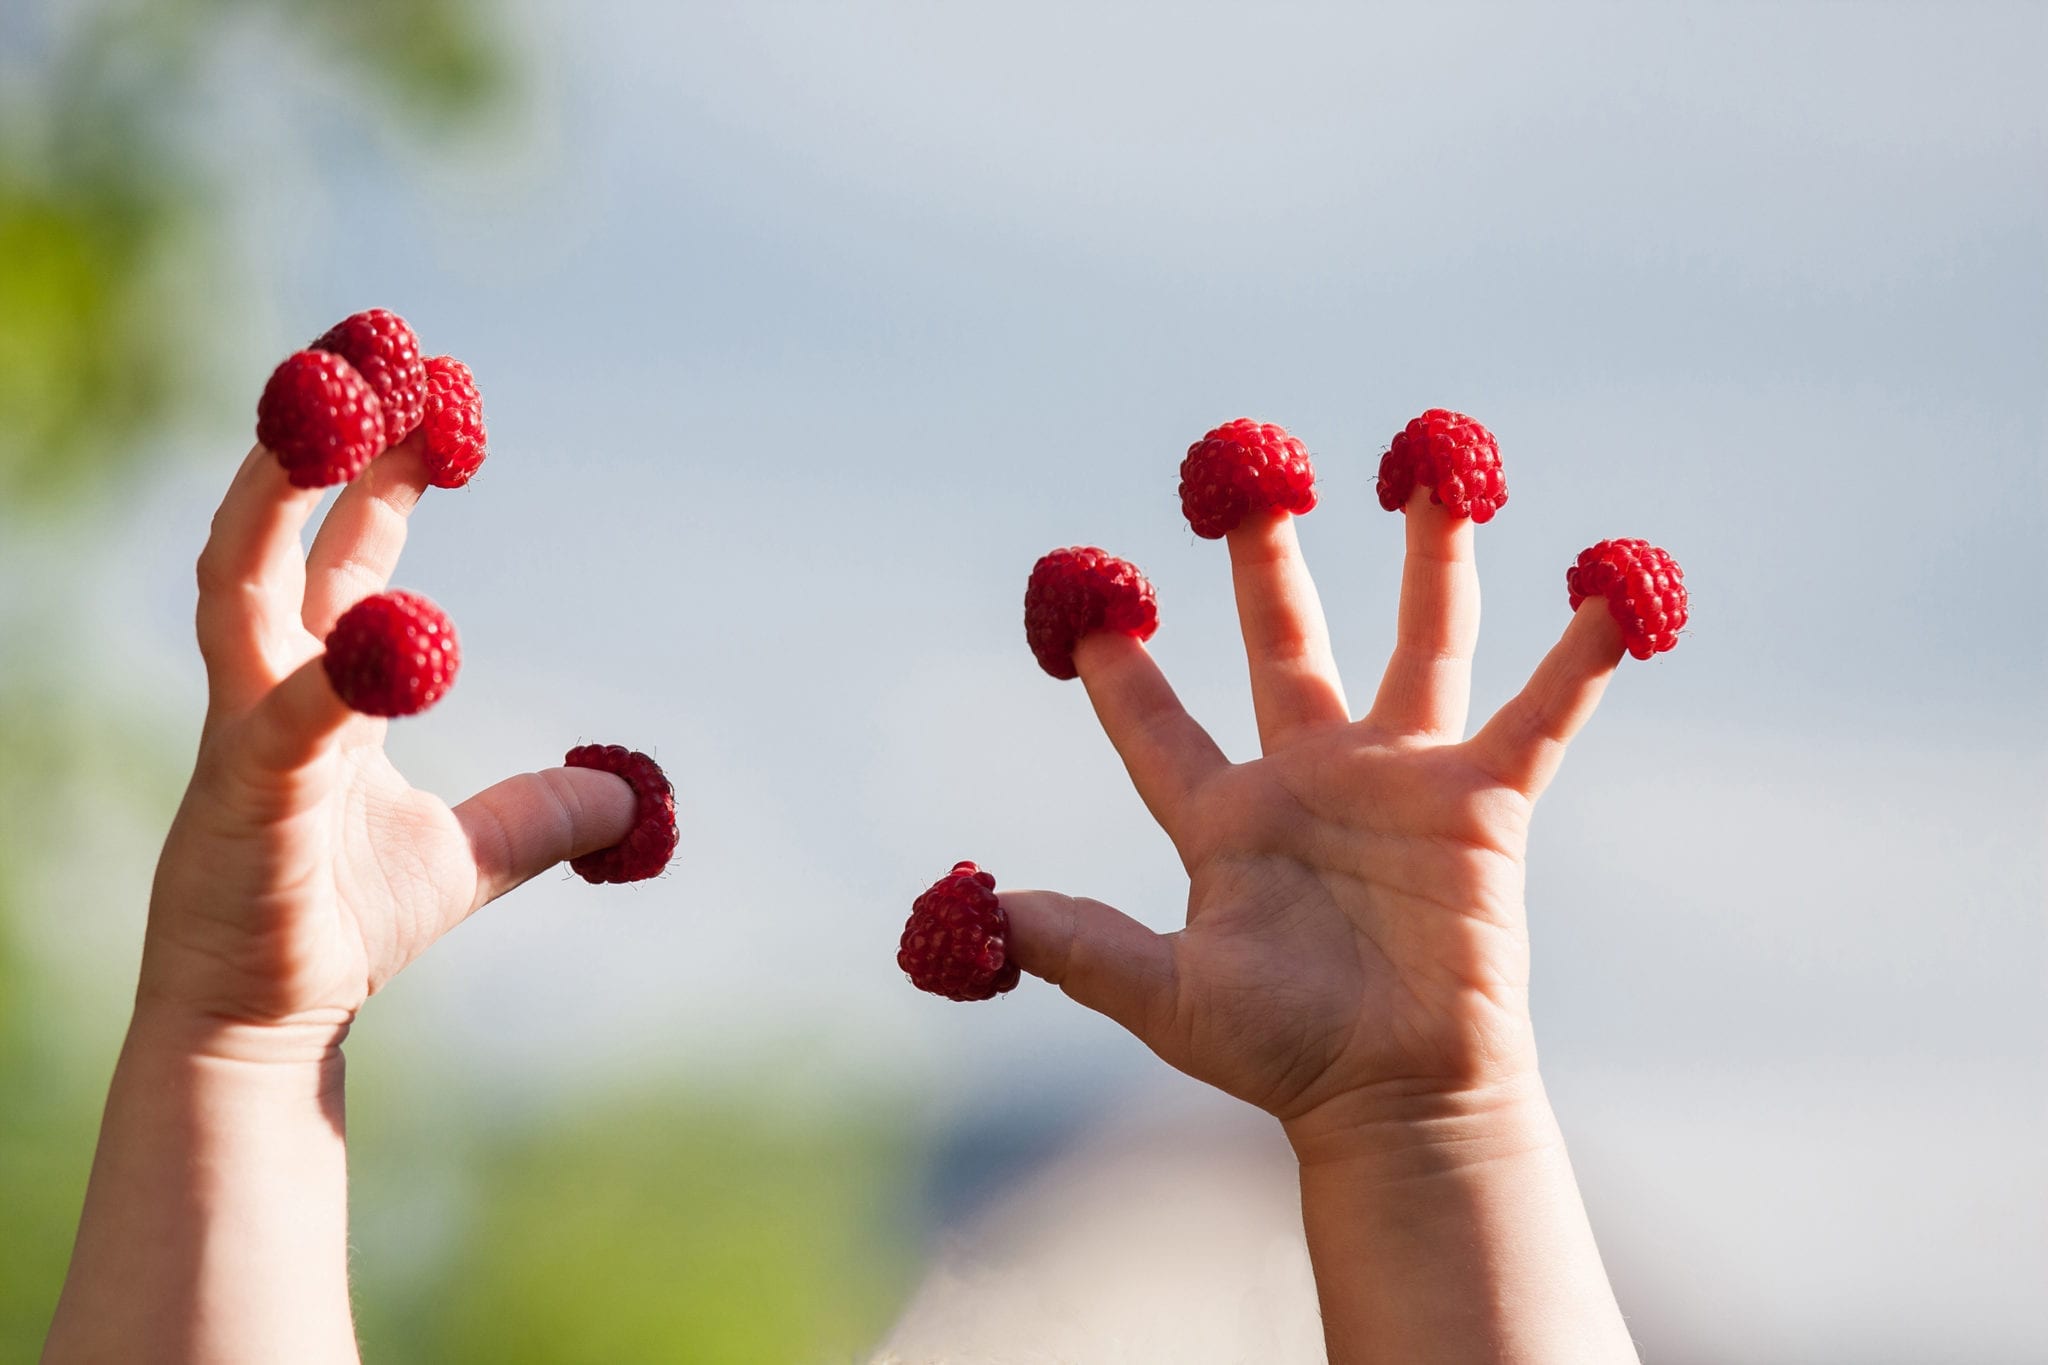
[1355, 953]
[303, 872]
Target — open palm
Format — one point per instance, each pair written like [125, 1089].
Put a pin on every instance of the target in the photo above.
[1355, 926]
[303, 871]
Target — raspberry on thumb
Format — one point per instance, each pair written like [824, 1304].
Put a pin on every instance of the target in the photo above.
[394, 654]
[956, 943]
[651, 842]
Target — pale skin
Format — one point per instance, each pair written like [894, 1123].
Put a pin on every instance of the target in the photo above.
[1355, 959]
[301, 874]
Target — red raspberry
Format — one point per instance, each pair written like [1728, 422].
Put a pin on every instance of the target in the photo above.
[394, 654]
[1644, 588]
[1240, 468]
[1080, 590]
[957, 941]
[384, 351]
[1451, 455]
[320, 418]
[651, 842]
[453, 424]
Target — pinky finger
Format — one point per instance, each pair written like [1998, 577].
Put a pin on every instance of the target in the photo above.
[1525, 741]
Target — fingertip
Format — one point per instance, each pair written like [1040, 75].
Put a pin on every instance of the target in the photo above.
[1595, 636]
[1432, 529]
[1263, 537]
[604, 803]
[1106, 652]
[1041, 930]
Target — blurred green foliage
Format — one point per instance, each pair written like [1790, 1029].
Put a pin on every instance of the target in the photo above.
[651, 1227]
[656, 1227]
[108, 192]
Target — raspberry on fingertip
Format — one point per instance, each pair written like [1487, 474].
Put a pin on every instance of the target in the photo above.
[453, 424]
[1454, 457]
[1077, 591]
[320, 418]
[394, 654]
[1242, 468]
[1644, 588]
[384, 350]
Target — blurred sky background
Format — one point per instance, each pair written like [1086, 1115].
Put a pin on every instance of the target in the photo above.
[804, 330]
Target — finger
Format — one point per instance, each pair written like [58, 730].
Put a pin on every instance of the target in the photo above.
[527, 824]
[297, 720]
[1427, 687]
[1166, 751]
[1294, 675]
[251, 577]
[358, 546]
[1525, 741]
[1099, 956]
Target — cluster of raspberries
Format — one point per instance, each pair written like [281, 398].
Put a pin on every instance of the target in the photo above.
[359, 390]
[1244, 470]
[328, 411]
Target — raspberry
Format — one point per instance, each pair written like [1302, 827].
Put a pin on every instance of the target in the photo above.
[1080, 590]
[384, 351]
[394, 654]
[651, 842]
[1451, 455]
[320, 418]
[957, 941]
[453, 424]
[1644, 587]
[1240, 468]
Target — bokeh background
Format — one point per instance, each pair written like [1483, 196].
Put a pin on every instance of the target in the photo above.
[803, 330]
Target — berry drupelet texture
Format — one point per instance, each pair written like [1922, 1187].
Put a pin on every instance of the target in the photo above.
[1241, 468]
[383, 349]
[394, 654]
[1644, 588]
[320, 418]
[957, 941]
[1080, 590]
[651, 842]
[1451, 455]
[453, 424]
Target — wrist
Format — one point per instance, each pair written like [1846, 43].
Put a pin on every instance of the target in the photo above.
[1447, 1225]
[164, 1028]
[1400, 1132]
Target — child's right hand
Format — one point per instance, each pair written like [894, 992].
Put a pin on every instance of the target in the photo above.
[303, 871]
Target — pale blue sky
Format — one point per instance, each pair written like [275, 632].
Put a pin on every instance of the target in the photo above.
[803, 331]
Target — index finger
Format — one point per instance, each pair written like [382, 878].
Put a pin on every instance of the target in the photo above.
[251, 578]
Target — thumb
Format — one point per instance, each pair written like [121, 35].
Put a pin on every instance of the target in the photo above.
[1098, 955]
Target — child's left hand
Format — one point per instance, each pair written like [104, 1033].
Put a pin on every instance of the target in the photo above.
[303, 871]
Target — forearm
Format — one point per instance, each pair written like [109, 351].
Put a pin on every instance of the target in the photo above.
[216, 1220]
[1455, 1232]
